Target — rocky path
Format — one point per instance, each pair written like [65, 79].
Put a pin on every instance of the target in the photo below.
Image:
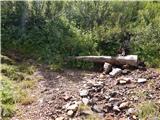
[75, 95]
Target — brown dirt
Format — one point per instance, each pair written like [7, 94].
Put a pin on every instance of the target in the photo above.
[50, 92]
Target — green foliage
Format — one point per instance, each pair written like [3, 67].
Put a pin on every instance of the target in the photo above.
[50, 31]
[15, 81]
[7, 97]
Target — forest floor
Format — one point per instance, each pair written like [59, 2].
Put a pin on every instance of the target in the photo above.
[86, 95]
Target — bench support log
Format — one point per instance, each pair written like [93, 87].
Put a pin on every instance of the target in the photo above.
[131, 60]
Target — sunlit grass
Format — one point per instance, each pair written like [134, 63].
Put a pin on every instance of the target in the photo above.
[17, 83]
[148, 111]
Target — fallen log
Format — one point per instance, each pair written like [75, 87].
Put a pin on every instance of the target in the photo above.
[131, 60]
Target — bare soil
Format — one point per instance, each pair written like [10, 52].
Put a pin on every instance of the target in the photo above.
[50, 92]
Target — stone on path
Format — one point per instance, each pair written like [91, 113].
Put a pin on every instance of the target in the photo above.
[72, 107]
[116, 108]
[85, 101]
[83, 93]
[115, 72]
[124, 105]
[107, 67]
[70, 113]
[131, 111]
[142, 80]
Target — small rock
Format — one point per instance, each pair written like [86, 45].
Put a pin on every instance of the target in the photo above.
[66, 105]
[116, 108]
[97, 108]
[123, 105]
[115, 72]
[67, 97]
[109, 105]
[113, 99]
[134, 117]
[83, 93]
[70, 113]
[142, 80]
[98, 84]
[128, 79]
[60, 118]
[85, 101]
[131, 111]
[72, 107]
[107, 67]
[135, 98]
[122, 82]
[125, 71]
[107, 97]
[101, 76]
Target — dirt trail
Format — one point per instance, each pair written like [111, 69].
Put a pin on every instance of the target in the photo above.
[56, 86]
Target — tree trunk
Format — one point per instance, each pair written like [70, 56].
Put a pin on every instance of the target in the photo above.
[131, 60]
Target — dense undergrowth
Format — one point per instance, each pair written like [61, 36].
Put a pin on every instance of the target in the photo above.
[17, 83]
[52, 31]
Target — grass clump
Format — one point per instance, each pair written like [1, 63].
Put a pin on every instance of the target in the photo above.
[7, 97]
[17, 82]
[87, 112]
[148, 111]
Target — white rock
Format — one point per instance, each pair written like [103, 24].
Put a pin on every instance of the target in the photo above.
[115, 72]
[116, 108]
[70, 113]
[83, 93]
[131, 111]
[66, 105]
[141, 80]
[72, 107]
[114, 99]
[134, 117]
[107, 67]
[122, 81]
[85, 101]
[123, 105]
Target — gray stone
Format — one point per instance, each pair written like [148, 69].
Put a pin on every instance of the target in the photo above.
[135, 98]
[108, 105]
[85, 101]
[124, 105]
[107, 97]
[122, 82]
[116, 108]
[115, 72]
[97, 108]
[107, 67]
[125, 71]
[72, 107]
[113, 99]
[131, 111]
[142, 80]
[67, 97]
[83, 93]
[98, 84]
[70, 113]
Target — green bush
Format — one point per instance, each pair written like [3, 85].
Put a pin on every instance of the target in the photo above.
[56, 30]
